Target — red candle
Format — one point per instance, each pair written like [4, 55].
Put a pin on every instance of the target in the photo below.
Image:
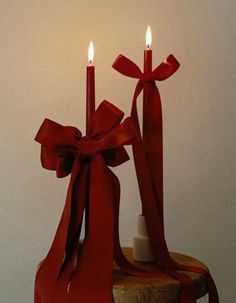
[90, 90]
[147, 68]
[148, 129]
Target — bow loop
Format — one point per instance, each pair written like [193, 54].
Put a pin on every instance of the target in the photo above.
[58, 146]
[127, 67]
[166, 69]
[106, 117]
[124, 134]
[53, 135]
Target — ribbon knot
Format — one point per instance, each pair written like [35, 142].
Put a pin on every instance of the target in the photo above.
[89, 148]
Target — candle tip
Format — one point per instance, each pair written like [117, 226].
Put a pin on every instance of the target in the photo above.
[148, 37]
[90, 53]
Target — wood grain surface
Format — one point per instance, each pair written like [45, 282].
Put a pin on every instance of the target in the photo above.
[129, 289]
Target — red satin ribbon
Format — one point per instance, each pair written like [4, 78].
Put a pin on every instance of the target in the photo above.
[148, 159]
[72, 272]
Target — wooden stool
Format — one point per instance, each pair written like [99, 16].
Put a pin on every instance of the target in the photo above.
[129, 289]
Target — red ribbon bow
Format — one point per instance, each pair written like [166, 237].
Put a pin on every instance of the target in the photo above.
[72, 272]
[148, 158]
[128, 68]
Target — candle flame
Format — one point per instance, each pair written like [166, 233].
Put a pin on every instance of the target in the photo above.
[90, 52]
[148, 37]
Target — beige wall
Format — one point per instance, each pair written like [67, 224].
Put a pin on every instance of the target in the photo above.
[43, 53]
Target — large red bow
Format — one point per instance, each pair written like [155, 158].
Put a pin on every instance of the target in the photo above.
[72, 272]
[148, 157]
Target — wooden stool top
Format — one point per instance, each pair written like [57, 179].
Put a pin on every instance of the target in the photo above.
[130, 289]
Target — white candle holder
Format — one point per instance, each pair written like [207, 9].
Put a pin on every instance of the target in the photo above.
[142, 251]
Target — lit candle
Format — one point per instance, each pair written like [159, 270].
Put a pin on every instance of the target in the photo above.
[90, 89]
[142, 250]
[147, 68]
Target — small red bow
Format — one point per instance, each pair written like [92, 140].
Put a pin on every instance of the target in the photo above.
[72, 272]
[148, 158]
[128, 68]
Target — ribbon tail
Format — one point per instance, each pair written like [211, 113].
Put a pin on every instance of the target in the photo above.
[153, 140]
[80, 202]
[50, 268]
[37, 298]
[212, 290]
[125, 265]
[73, 248]
[153, 214]
[119, 256]
[150, 210]
[92, 281]
[211, 287]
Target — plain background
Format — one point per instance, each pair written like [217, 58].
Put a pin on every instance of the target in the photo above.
[43, 56]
